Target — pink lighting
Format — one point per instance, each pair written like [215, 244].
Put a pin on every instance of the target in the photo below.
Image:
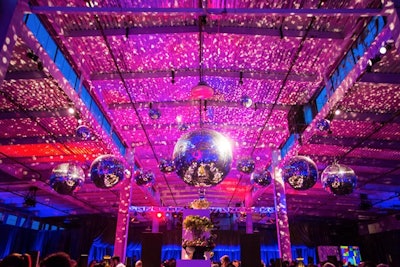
[202, 91]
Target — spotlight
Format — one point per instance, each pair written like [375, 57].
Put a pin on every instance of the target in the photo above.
[337, 112]
[383, 50]
[71, 110]
[386, 47]
[159, 215]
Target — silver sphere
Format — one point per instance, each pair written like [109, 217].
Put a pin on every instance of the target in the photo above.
[263, 178]
[339, 179]
[246, 165]
[67, 178]
[144, 178]
[107, 171]
[202, 157]
[166, 165]
[83, 132]
[300, 173]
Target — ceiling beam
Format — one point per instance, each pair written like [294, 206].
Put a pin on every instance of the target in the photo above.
[347, 73]
[353, 161]
[365, 116]
[193, 103]
[304, 12]
[277, 76]
[62, 112]
[231, 126]
[41, 140]
[377, 77]
[354, 141]
[214, 29]
[25, 75]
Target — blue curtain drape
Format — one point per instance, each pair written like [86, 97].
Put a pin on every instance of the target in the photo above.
[100, 249]
[21, 240]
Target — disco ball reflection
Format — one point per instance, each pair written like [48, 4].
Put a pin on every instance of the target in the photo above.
[83, 132]
[166, 165]
[339, 179]
[246, 165]
[106, 171]
[66, 178]
[202, 157]
[323, 125]
[300, 173]
[144, 178]
[262, 178]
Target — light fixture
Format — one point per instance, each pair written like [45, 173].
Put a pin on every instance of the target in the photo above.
[373, 61]
[202, 91]
[91, 3]
[30, 198]
[241, 78]
[30, 54]
[71, 110]
[173, 77]
[386, 46]
[383, 50]
[337, 112]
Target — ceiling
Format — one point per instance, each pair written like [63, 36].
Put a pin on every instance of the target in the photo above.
[129, 56]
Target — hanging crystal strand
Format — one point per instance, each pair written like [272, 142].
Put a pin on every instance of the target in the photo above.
[202, 193]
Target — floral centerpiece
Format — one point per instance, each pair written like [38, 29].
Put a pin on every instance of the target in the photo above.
[199, 204]
[196, 223]
[198, 237]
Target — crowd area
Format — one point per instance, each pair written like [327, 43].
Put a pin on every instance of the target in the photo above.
[62, 259]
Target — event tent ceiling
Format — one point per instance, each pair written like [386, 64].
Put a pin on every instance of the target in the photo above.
[136, 55]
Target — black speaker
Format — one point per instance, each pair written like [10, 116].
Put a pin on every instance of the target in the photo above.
[83, 260]
[250, 250]
[151, 249]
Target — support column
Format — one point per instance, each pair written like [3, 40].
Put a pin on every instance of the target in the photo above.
[249, 213]
[125, 194]
[11, 15]
[155, 227]
[282, 221]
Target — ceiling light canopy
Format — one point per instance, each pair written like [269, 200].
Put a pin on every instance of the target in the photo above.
[202, 91]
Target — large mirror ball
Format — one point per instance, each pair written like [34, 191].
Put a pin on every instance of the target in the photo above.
[339, 179]
[107, 171]
[301, 173]
[202, 157]
[67, 178]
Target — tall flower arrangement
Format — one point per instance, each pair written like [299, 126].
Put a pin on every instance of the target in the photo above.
[200, 228]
